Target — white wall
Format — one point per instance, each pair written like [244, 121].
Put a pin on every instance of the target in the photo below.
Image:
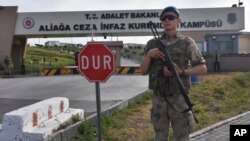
[129, 22]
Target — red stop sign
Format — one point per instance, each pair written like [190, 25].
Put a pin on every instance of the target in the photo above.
[96, 62]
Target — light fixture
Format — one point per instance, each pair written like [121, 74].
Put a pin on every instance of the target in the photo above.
[234, 5]
[240, 3]
[105, 36]
[233, 36]
[213, 37]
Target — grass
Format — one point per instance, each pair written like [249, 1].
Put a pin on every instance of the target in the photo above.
[74, 119]
[119, 120]
[219, 97]
[38, 58]
[216, 97]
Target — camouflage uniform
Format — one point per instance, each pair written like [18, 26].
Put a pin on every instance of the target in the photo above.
[167, 100]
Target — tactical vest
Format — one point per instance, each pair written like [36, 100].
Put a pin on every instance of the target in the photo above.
[178, 52]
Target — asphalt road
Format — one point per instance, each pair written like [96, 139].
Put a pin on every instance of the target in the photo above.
[19, 92]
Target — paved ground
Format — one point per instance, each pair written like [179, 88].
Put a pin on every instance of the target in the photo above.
[220, 131]
[19, 92]
[23, 91]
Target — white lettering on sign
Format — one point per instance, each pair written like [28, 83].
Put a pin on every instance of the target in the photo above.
[96, 62]
[85, 62]
[239, 132]
[107, 61]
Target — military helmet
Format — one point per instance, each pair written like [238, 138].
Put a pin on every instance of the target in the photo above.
[170, 9]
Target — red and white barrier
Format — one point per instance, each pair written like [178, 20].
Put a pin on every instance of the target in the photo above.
[38, 121]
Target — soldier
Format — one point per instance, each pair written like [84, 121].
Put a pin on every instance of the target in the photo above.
[167, 100]
[7, 64]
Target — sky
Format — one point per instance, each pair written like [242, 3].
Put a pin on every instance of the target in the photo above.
[88, 5]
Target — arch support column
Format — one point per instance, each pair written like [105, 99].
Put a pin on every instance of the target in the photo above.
[8, 16]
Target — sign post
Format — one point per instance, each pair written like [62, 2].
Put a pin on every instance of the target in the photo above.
[96, 62]
[99, 111]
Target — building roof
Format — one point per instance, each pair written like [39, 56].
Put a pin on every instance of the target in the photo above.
[229, 33]
[118, 44]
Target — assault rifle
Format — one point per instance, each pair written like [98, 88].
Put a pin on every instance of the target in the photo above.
[170, 64]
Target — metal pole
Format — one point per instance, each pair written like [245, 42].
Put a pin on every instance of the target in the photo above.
[98, 106]
[92, 31]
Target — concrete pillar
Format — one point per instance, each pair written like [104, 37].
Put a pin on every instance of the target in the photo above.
[8, 16]
[17, 51]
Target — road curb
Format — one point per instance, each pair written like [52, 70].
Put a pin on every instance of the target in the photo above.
[219, 124]
[72, 131]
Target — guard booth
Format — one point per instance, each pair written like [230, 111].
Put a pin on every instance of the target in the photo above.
[116, 47]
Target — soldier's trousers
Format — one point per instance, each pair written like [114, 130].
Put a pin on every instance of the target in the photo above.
[163, 115]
